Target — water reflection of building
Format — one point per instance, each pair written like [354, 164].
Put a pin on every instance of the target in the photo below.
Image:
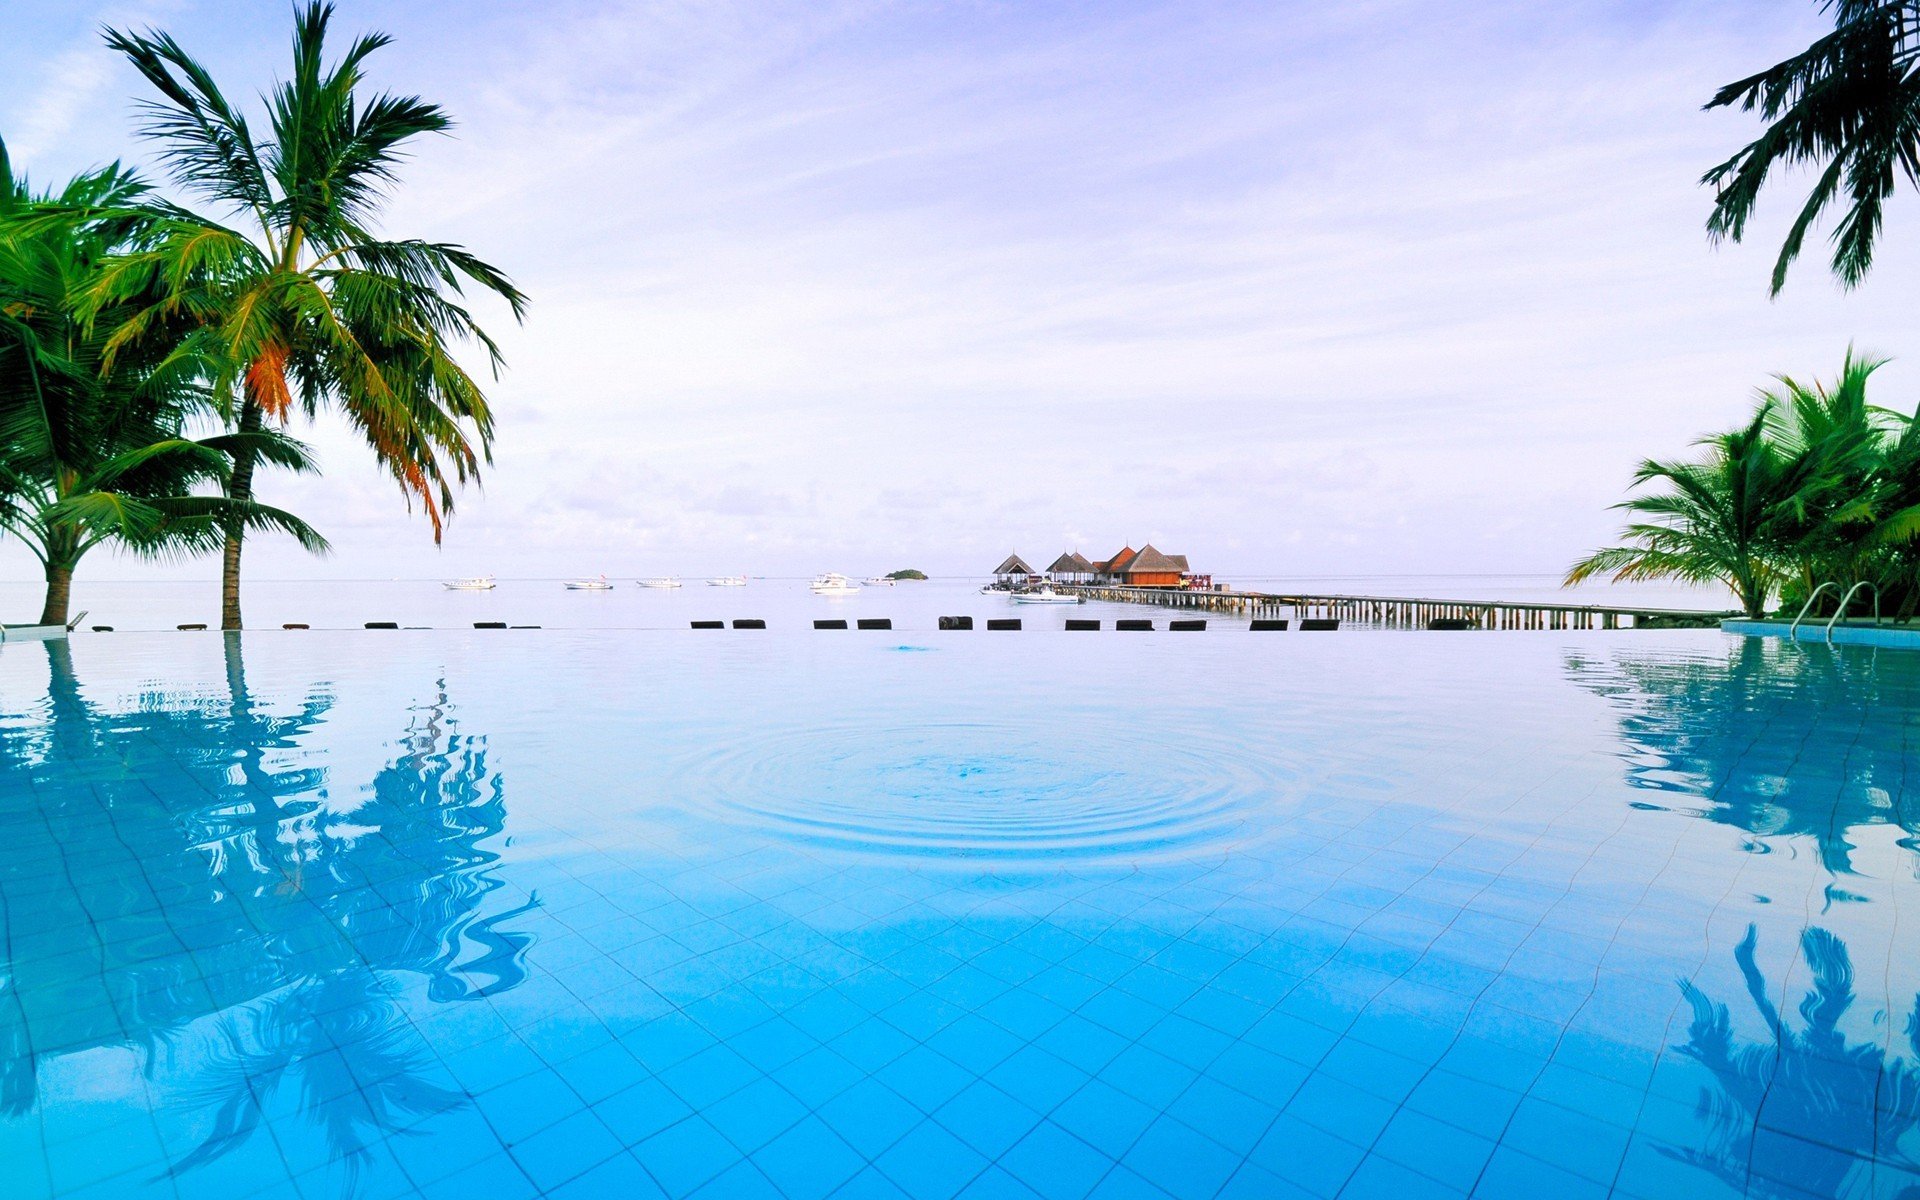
[1804, 1113]
[1781, 741]
[177, 875]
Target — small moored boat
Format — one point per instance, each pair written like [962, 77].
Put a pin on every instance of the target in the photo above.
[880, 581]
[831, 584]
[599, 584]
[664, 582]
[728, 581]
[479, 583]
[1045, 595]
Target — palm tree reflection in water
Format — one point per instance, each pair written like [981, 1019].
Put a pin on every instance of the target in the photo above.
[1802, 1114]
[312, 914]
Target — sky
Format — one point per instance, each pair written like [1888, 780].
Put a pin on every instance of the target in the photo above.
[1372, 288]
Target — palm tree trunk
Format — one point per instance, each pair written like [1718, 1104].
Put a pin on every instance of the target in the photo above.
[239, 487]
[59, 592]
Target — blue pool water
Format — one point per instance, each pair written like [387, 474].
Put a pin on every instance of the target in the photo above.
[634, 914]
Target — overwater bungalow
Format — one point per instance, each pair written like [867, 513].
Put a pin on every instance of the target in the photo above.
[1015, 571]
[1071, 568]
[1113, 570]
[1151, 568]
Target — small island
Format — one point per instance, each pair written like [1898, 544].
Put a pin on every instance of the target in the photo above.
[908, 574]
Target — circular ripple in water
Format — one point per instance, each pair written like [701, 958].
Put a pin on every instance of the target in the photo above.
[991, 791]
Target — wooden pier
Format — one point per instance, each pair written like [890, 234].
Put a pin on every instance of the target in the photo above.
[1404, 612]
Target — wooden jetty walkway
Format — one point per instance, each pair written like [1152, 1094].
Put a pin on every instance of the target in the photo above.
[1405, 612]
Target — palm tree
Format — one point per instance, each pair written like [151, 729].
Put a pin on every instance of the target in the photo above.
[308, 306]
[1715, 523]
[92, 451]
[1849, 106]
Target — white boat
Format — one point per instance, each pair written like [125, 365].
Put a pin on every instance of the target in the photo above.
[1045, 595]
[831, 584]
[728, 581]
[599, 584]
[479, 583]
[880, 581]
[667, 582]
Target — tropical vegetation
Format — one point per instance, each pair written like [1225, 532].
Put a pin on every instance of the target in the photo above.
[92, 446]
[1818, 485]
[1847, 109]
[129, 320]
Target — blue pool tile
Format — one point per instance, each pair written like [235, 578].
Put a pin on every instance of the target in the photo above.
[496, 1177]
[1179, 1159]
[987, 1119]
[1079, 1041]
[1434, 1149]
[639, 1112]
[1382, 1179]
[996, 1184]
[870, 1184]
[755, 1115]
[686, 1155]
[743, 1180]
[1568, 1139]
[1225, 1114]
[565, 1151]
[1056, 1164]
[930, 1163]
[1306, 1156]
[1511, 1174]
[818, 1076]
[809, 1161]
[1105, 1118]
[1038, 1078]
[925, 1077]
[870, 1116]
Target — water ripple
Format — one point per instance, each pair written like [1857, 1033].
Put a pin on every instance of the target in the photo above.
[992, 790]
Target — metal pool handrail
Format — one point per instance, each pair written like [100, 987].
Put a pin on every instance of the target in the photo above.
[1794, 628]
[1848, 599]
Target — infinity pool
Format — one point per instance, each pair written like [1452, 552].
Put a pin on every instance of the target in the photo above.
[480, 915]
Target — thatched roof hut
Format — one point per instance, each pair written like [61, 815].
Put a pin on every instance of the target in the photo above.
[1070, 564]
[1015, 565]
[1151, 568]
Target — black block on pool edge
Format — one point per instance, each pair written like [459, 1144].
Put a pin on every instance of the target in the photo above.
[1003, 623]
[383, 624]
[1189, 626]
[1319, 623]
[956, 622]
[296, 625]
[489, 624]
[103, 629]
[749, 623]
[1127, 625]
[1078, 623]
[876, 622]
[1267, 625]
[1450, 623]
[709, 624]
[829, 624]
[189, 628]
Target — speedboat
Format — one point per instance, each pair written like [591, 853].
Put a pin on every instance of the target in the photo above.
[996, 589]
[666, 582]
[1045, 595]
[589, 585]
[831, 584]
[479, 583]
[728, 581]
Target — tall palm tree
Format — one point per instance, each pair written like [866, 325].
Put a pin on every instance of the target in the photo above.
[1715, 523]
[309, 306]
[1847, 106]
[92, 452]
